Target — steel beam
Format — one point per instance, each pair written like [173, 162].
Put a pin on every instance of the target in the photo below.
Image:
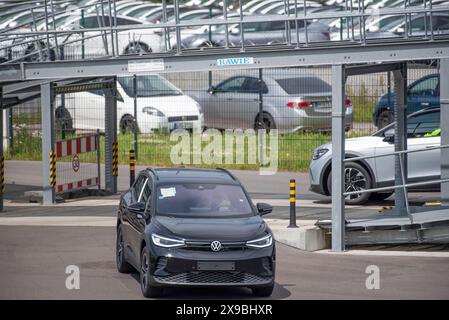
[338, 152]
[48, 140]
[262, 57]
[444, 103]
[372, 68]
[1, 150]
[400, 138]
[110, 136]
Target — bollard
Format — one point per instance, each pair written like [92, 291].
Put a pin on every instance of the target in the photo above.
[115, 158]
[2, 174]
[132, 167]
[292, 204]
[52, 169]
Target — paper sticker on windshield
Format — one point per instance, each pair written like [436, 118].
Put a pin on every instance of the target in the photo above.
[167, 192]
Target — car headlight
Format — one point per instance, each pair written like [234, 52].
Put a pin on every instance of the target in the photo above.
[153, 112]
[263, 242]
[318, 153]
[166, 242]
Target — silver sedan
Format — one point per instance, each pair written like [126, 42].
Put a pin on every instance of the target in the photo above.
[423, 131]
[292, 101]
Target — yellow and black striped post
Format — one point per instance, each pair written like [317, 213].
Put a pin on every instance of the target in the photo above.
[292, 204]
[52, 169]
[2, 173]
[132, 167]
[115, 158]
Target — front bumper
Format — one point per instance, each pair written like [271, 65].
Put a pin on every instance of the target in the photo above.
[148, 124]
[243, 268]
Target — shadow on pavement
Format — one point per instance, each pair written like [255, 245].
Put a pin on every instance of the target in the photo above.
[219, 293]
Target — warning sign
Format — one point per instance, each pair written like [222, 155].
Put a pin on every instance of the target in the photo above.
[75, 163]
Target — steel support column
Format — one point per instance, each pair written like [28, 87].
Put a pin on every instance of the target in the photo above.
[400, 138]
[110, 136]
[338, 152]
[48, 140]
[444, 102]
[2, 172]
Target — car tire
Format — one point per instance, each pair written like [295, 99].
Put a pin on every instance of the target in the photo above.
[137, 48]
[63, 120]
[148, 290]
[36, 57]
[354, 170]
[267, 122]
[263, 291]
[385, 118]
[127, 124]
[122, 265]
[376, 196]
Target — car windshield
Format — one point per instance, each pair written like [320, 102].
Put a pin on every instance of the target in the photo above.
[304, 85]
[148, 86]
[197, 200]
[426, 124]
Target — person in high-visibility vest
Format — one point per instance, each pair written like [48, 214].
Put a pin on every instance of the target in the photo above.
[434, 133]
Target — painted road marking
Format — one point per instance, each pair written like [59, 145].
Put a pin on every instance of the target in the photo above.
[115, 202]
[65, 221]
[308, 204]
[429, 254]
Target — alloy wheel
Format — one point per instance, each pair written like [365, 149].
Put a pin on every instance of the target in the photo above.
[144, 271]
[119, 247]
[355, 180]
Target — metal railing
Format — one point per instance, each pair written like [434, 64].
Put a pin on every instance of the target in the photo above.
[51, 37]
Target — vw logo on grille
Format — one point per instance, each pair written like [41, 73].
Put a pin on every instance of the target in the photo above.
[215, 245]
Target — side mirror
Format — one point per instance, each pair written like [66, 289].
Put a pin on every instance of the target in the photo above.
[212, 90]
[264, 208]
[137, 208]
[389, 136]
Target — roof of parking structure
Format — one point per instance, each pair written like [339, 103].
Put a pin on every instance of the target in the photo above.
[19, 92]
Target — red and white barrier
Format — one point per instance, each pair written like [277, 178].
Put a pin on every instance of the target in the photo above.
[75, 146]
[78, 185]
[75, 179]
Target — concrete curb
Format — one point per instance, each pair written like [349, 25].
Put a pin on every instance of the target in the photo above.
[307, 236]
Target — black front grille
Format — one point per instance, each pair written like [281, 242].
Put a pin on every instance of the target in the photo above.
[214, 277]
[205, 246]
[182, 118]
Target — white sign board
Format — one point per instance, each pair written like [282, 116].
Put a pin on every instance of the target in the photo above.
[235, 61]
[146, 65]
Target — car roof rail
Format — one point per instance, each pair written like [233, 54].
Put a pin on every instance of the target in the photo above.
[228, 172]
[154, 172]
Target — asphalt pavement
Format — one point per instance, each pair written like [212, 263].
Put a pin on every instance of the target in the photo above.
[38, 242]
[34, 262]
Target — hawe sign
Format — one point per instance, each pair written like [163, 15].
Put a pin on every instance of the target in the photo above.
[239, 61]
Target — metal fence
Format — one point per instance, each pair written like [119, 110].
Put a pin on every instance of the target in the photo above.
[296, 101]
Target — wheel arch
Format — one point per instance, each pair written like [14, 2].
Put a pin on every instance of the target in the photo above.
[267, 113]
[328, 169]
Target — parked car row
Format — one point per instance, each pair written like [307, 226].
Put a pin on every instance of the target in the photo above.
[21, 18]
[292, 101]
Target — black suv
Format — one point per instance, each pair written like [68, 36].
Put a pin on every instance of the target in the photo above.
[194, 227]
